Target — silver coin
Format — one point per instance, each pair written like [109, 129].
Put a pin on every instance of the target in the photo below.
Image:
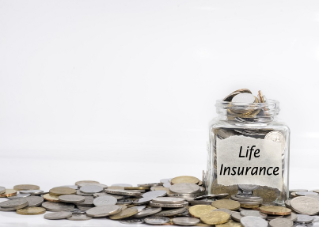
[71, 198]
[122, 192]
[104, 186]
[168, 205]
[34, 201]
[83, 182]
[142, 201]
[103, 211]
[271, 217]
[168, 200]
[236, 216]
[58, 215]
[254, 213]
[185, 221]
[292, 216]
[78, 211]
[83, 208]
[32, 192]
[19, 196]
[140, 208]
[11, 208]
[150, 184]
[132, 221]
[87, 202]
[313, 196]
[184, 188]
[122, 185]
[14, 203]
[147, 212]
[156, 220]
[2, 190]
[281, 222]
[224, 210]
[124, 201]
[154, 194]
[306, 193]
[105, 194]
[305, 205]
[250, 221]
[71, 186]
[287, 203]
[79, 217]
[302, 218]
[91, 189]
[201, 202]
[78, 192]
[104, 201]
[171, 212]
[56, 207]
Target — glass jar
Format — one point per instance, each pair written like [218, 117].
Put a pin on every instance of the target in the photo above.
[249, 153]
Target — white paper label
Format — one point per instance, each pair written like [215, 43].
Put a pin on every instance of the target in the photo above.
[245, 160]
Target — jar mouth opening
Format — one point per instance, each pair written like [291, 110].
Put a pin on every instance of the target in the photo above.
[267, 109]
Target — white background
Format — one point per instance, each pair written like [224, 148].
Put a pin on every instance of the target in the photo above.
[122, 91]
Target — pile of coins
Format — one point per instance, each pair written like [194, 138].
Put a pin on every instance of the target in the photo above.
[177, 201]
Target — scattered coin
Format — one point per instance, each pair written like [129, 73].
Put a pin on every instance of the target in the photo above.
[142, 201]
[71, 198]
[150, 185]
[31, 211]
[26, 187]
[51, 198]
[2, 190]
[103, 211]
[32, 192]
[236, 216]
[132, 221]
[185, 179]
[305, 205]
[156, 220]
[62, 191]
[91, 189]
[58, 215]
[8, 193]
[168, 200]
[275, 210]
[281, 222]
[154, 194]
[254, 213]
[85, 182]
[250, 221]
[79, 217]
[171, 212]
[19, 196]
[125, 213]
[200, 210]
[215, 218]
[55, 207]
[14, 203]
[184, 188]
[185, 221]
[302, 218]
[147, 212]
[104, 200]
[34, 201]
[137, 188]
[227, 204]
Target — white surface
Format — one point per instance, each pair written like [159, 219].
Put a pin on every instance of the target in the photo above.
[122, 91]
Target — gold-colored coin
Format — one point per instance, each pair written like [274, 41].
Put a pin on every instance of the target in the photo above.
[200, 183]
[125, 213]
[62, 191]
[185, 179]
[268, 194]
[227, 204]
[203, 224]
[137, 188]
[230, 223]
[51, 198]
[31, 210]
[8, 193]
[200, 210]
[26, 187]
[215, 218]
[275, 210]
[247, 206]
[83, 182]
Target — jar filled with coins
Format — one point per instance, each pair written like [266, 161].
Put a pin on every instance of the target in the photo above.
[248, 153]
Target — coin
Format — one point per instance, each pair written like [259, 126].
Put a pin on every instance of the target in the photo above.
[230, 223]
[26, 187]
[184, 188]
[281, 222]
[83, 208]
[227, 204]
[32, 192]
[125, 213]
[104, 200]
[147, 212]
[122, 192]
[142, 201]
[103, 211]
[14, 203]
[215, 218]
[275, 210]
[168, 205]
[185, 179]
[91, 189]
[8, 193]
[31, 211]
[84, 182]
[137, 188]
[87, 202]
[254, 213]
[71, 198]
[160, 188]
[236, 216]
[171, 212]
[225, 210]
[58, 215]
[79, 217]
[55, 207]
[305, 205]
[124, 201]
[292, 216]
[18, 196]
[185, 221]
[156, 220]
[2, 190]
[51, 198]
[250, 221]
[150, 185]
[154, 194]
[168, 200]
[200, 210]
[132, 221]
[62, 191]
[201, 202]
[302, 218]
[34, 201]
[277, 137]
